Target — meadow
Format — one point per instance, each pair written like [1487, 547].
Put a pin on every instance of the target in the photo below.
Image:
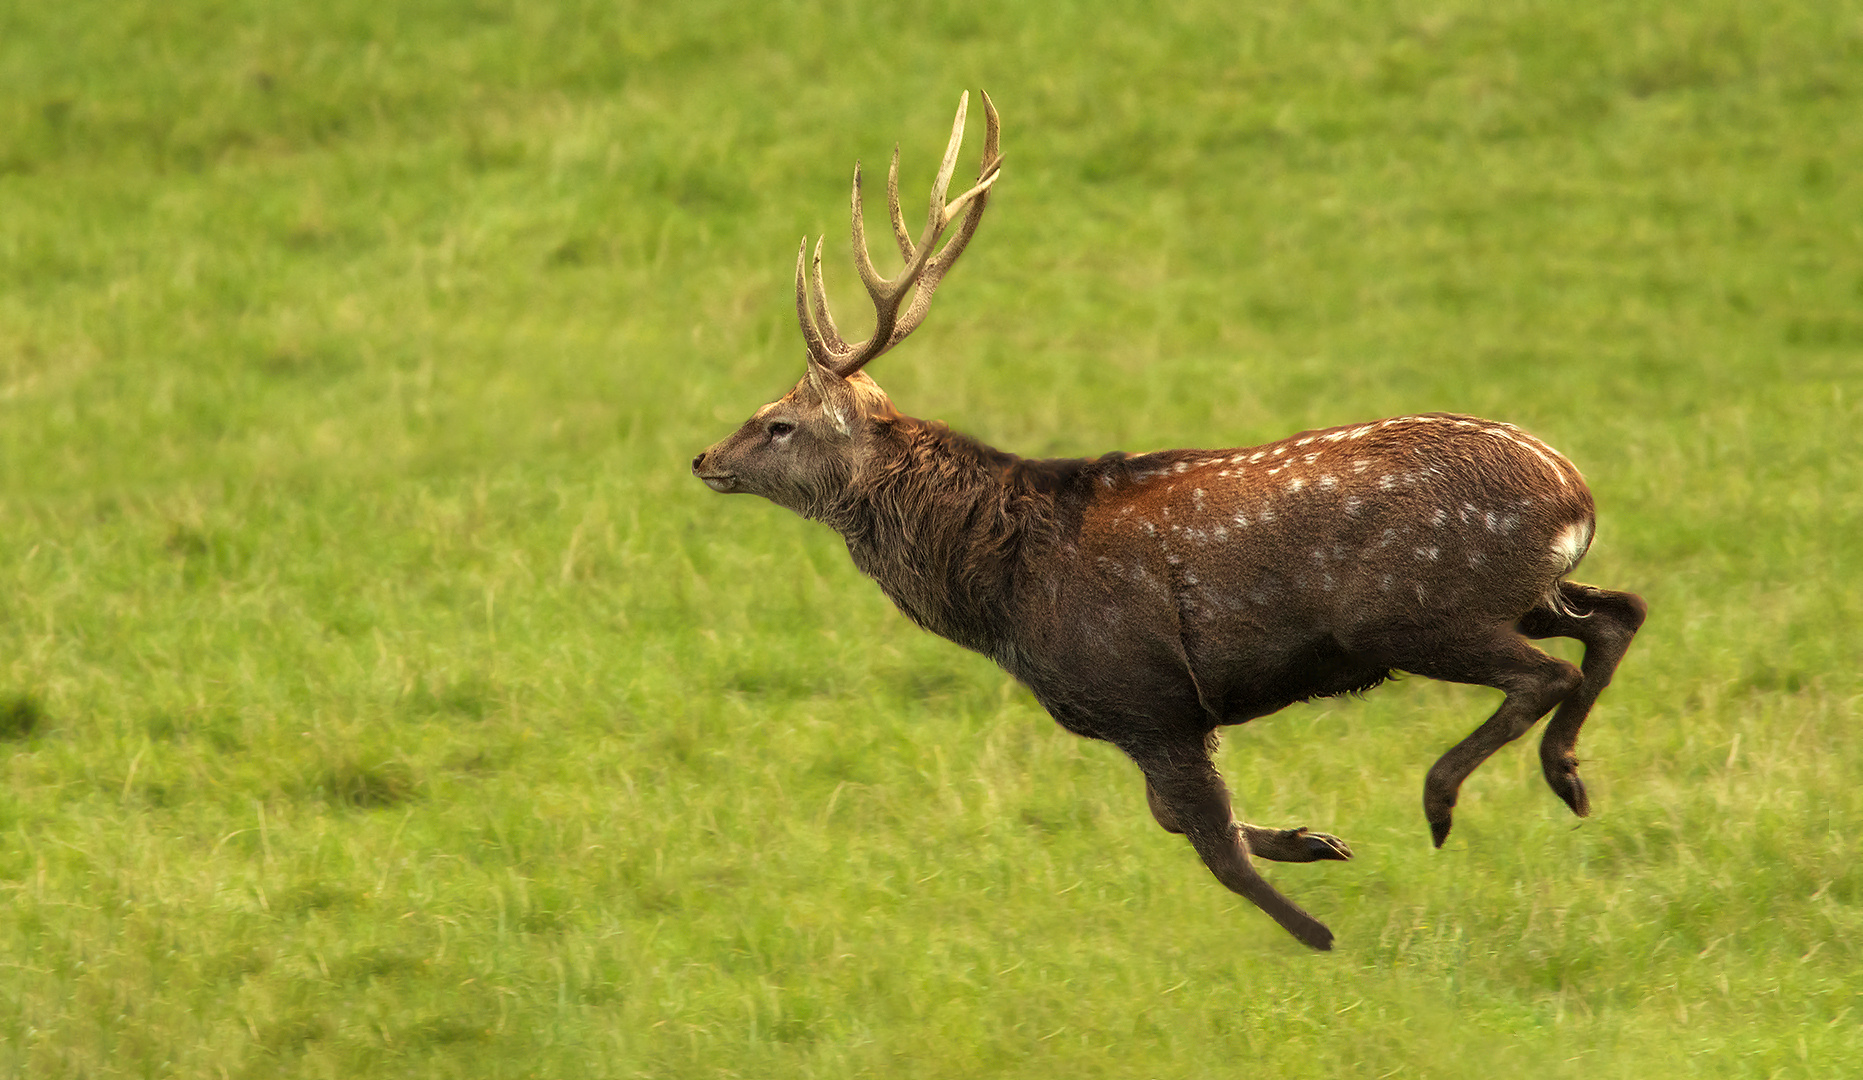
[380, 695]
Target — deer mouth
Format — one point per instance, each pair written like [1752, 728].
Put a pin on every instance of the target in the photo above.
[717, 481]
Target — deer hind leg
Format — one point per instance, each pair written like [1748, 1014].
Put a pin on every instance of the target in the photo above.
[1533, 682]
[1605, 622]
[1188, 796]
[1281, 845]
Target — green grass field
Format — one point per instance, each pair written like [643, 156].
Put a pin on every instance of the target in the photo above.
[380, 695]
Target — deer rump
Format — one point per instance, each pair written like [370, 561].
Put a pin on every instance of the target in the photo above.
[1150, 599]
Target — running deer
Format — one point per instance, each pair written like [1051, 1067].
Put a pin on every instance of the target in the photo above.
[1151, 599]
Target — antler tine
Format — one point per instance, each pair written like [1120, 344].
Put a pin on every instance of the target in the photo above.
[863, 262]
[884, 293]
[811, 334]
[939, 216]
[830, 333]
[900, 232]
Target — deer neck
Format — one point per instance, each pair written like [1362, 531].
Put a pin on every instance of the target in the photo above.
[947, 528]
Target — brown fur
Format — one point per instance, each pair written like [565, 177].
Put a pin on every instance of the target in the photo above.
[1150, 599]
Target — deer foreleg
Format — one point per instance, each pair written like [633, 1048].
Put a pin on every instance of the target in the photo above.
[1281, 845]
[1187, 795]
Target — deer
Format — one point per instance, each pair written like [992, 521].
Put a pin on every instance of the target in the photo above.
[1151, 599]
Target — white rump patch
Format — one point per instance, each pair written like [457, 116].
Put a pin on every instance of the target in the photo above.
[1571, 544]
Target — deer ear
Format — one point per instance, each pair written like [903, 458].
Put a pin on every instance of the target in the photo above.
[837, 396]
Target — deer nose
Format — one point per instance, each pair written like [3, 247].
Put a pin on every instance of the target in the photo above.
[697, 462]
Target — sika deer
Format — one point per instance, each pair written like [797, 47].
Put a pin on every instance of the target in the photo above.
[1151, 599]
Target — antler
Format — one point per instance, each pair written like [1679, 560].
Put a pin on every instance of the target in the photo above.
[923, 270]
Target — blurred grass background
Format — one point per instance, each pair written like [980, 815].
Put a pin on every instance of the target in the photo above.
[379, 695]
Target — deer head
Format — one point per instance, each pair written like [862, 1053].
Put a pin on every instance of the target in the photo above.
[803, 449]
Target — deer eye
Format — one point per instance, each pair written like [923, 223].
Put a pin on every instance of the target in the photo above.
[781, 428]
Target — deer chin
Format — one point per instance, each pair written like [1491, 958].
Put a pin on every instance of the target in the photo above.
[725, 483]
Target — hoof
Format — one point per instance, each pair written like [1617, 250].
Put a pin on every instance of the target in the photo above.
[1562, 777]
[1293, 845]
[1323, 846]
[1438, 810]
[1314, 935]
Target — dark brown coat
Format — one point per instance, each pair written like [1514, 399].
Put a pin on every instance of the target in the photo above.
[1150, 599]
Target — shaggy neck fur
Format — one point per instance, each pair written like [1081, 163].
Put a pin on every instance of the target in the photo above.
[952, 529]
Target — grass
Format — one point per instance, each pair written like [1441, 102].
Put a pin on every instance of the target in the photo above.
[379, 695]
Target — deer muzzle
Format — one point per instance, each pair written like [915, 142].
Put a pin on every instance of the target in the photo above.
[717, 481]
